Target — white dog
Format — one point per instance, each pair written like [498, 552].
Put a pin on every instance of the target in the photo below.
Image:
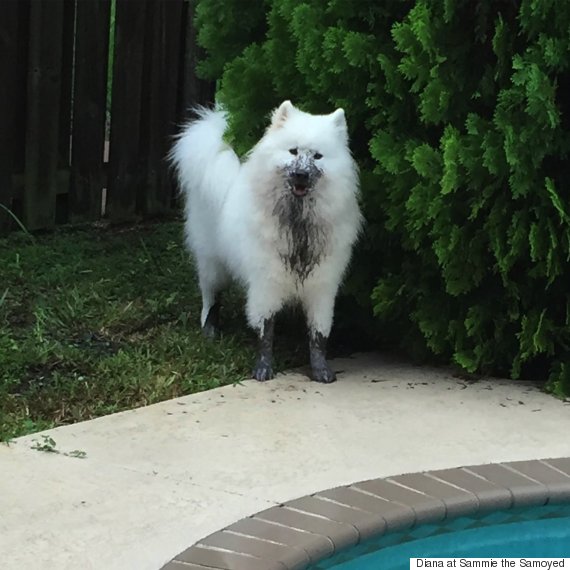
[282, 222]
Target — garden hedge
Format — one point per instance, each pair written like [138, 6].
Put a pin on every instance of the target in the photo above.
[459, 119]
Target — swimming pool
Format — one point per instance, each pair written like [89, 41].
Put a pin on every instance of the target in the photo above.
[516, 533]
[518, 509]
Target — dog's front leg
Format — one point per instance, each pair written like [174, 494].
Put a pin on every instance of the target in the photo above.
[319, 308]
[322, 372]
[264, 367]
[264, 301]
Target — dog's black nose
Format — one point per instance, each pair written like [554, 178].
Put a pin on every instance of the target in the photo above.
[300, 177]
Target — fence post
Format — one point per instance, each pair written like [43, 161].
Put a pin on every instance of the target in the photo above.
[65, 112]
[162, 65]
[8, 97]
[125, 169]
[89, 109]
[42, 129]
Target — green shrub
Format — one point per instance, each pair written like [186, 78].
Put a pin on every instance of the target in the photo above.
[459, 118]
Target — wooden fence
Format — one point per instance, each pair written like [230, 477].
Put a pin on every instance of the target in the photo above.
[91, 92]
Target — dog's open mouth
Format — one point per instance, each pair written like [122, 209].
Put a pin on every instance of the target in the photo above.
[299, 190]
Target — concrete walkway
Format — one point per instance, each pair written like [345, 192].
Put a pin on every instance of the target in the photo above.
[157, 479]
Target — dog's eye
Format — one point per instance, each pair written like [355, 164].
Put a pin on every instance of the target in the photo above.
[293, 151]
[318, 155]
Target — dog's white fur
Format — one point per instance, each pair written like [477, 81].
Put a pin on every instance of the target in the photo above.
[230, 223]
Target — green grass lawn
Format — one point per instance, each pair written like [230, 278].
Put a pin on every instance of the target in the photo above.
[93, 321]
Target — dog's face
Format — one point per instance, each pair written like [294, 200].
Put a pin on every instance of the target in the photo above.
[301, 172]
[304, 149]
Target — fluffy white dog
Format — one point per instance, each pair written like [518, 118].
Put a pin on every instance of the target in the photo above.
[282, 222]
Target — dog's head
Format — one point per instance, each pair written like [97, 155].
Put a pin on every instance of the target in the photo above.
[304, 149]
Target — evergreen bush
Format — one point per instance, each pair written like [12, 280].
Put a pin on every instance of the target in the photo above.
[459, 119]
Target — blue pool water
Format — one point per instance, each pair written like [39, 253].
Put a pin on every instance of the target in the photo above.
[517, 533]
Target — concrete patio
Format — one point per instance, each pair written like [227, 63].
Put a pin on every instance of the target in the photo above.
[157, 479]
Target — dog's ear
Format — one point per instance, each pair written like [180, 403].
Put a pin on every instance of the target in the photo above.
[281, 114]
[339, 118]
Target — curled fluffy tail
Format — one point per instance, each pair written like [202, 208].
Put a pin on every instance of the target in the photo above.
[204, 163]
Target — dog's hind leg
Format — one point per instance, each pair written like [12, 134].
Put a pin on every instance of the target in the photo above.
[212, 279]
[319, 308]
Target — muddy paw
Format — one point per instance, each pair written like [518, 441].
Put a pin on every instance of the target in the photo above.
[210, 331]
[262, 372]
[211, 328]
[323, 374]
